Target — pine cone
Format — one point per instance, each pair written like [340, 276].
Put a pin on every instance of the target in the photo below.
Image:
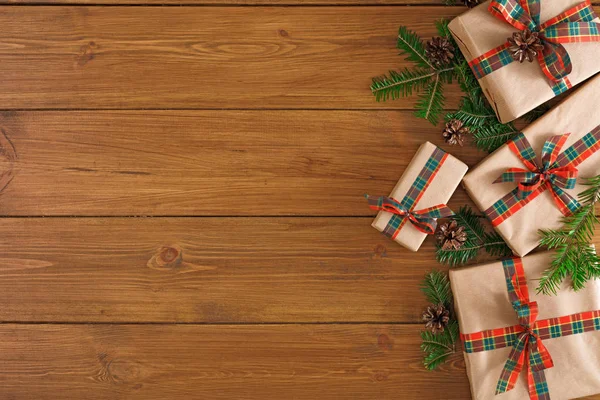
[451, 236]
[439, 51]
[436, 318]
[454, 133]
[525, 45]
[471, 3]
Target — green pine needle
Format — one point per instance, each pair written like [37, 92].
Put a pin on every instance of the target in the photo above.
[477, 239]
[575, 257]
[431, 101]
[412, 47]
[491, 136]
[436, 287]
[440, 347]
[401, 84]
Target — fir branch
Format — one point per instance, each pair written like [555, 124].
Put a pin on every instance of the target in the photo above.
[491, 136]
[575, 257]
[477, 239]
[431, 102]
[436, 287]
[439, 346]
[400, 84]
[412, 47]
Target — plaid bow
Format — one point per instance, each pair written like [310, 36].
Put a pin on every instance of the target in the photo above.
[557, 172]
[424, 220]
[404, 210]
[526, 338]
[572, 26]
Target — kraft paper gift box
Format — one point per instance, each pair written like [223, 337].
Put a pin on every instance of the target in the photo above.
[517, 88]
[577, 115]
[482, 303]
[431, 178]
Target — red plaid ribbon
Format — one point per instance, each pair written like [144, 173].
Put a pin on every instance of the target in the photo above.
[404, 210]
[424, 220]
[572, 26]
[526, 338]
[557, 172]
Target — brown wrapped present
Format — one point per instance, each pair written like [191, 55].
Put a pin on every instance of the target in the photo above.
[555, 340]
[517, 214]
[513, 88]
[410, 213]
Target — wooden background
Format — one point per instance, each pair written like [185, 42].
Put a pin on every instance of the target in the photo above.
[181, 192]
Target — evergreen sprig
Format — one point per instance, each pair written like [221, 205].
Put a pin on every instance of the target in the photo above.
[477, 239]
[575, 256]
[438, 347]
[426, 79]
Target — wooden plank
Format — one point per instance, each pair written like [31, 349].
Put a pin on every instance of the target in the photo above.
[202, 57]
[208, 270]
[242, 2]
[149, 362]
[207, 162]
[221, 362]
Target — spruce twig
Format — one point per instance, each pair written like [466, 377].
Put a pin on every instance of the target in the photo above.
[477, 239]
[426, 78]
[438, 347]
[575, 257]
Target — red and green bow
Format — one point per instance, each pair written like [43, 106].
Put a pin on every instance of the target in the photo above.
[557, 173]
[526, 338]
[572, 26]
[404, 210]
[424, 220]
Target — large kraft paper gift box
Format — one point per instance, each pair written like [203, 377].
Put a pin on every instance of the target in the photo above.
[410, 212]
[514, 88]
[518, 224]
[567, 326]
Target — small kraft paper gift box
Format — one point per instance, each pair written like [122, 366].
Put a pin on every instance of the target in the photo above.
[411, 211]
[561, 38]
[518, 344]
[532, 181]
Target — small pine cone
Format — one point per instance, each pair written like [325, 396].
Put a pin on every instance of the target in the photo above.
[454, 133]
[451, 236]
[471, 3]
[436, 318]
[439, 51]
[525, 45]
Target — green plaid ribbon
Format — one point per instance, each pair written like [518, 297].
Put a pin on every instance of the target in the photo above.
[526, 338]
[572, 26]
[556, 173]
[402, 211]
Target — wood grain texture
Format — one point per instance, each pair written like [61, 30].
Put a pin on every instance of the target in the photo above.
[208, 162]
[221, 362]
[202, 57]
[208, 270]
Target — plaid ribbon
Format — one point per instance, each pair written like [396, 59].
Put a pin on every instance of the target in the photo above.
[424, 220]
[572, 26]
[526, 338]
[557, 172]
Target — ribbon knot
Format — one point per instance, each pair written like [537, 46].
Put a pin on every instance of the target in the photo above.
[425, 220]
[550, 175]
[528, 349]
[571, 26]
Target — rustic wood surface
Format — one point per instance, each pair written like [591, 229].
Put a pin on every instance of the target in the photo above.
[181, 202]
